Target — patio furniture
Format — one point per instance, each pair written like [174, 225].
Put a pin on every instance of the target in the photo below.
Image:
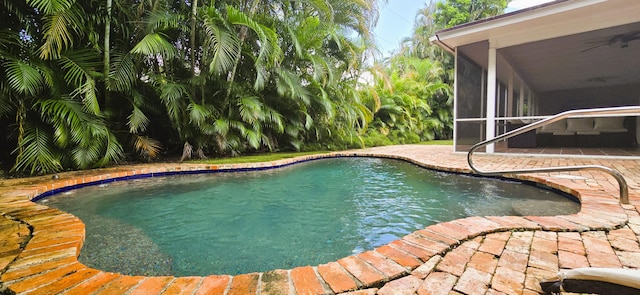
[587, 132]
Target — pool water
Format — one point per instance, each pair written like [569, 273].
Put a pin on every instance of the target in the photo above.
[305, 214]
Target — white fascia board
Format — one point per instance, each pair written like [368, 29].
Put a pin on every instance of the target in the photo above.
[530, 25]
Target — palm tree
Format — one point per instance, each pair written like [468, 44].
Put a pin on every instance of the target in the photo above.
[87, 83]
[405, 99]
[52, 88]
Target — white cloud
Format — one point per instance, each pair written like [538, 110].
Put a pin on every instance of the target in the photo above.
[521, 4]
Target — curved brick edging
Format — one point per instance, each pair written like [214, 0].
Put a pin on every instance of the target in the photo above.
[40, 254]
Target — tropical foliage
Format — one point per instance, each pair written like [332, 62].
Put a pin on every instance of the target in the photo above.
[415, 85]
[406, 99]
[450, 13]
[93, 83]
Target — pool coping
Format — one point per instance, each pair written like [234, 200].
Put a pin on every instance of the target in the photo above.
[40, 253]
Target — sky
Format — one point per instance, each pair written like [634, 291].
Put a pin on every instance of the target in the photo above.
[397, 17]
[395, 23]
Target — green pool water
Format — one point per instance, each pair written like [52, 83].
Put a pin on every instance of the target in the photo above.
[305, 214]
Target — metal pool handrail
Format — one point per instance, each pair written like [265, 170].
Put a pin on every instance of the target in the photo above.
[596, 112]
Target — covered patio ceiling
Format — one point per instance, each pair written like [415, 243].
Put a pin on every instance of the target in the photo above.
[561, 45]
[600, 58]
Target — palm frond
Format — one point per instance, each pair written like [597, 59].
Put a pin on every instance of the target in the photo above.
[366, 115]
[322, 72]
[153, 44]
[37, 154]
[84, 156]
[51, 6]
[229, 143]
[112, 150]
[222, 126]
[137, 120]
[325, 102]
[391, 108]
[252, 137]
[296, 144]
[24, 78]
[164, 19]
[324, 7]
[147, 146]
[8, 38]
[88, 92]
[336, 37]
[293, 129]
[289, 85]
[269, 48]
[296, 41]
[308, 121]
[80, 65]
[238, 126]
[57, 31]
[262, 75]
[439, 87]
[274, 118]
[68, 120]
[80, 70]
[237, 17]
[198, 113]
[311, 32]
[173, 96]
[122, 73]
[250, 109]
[225, 45]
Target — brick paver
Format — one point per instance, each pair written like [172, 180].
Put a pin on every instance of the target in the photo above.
[153, 285]
[305, 281]
[475, 255]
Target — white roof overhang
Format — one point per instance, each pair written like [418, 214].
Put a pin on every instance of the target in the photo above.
[551, 20]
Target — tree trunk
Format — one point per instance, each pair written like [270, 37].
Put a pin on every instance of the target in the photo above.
[242, 36]
[21, 116]
[107, 52]
[187, 151]
[194, 11]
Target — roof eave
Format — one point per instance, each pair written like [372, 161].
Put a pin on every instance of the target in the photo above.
[481, 30]
[435, 40]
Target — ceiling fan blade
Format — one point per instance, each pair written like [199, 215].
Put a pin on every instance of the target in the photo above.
[633, 36]
[594, 47]
[597, 42]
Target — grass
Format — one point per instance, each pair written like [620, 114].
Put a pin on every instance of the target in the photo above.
[438, 142]
[268, 157]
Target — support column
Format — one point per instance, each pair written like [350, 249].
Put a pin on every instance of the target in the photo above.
[455, 100]
[509, 103]
[521, 105]
[491, 99]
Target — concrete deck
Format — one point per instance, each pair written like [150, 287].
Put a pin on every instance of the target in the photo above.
[476, 255]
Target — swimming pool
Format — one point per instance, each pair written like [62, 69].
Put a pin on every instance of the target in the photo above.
[308, 213]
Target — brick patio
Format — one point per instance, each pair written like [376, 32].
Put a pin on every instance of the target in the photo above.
[475, 255]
